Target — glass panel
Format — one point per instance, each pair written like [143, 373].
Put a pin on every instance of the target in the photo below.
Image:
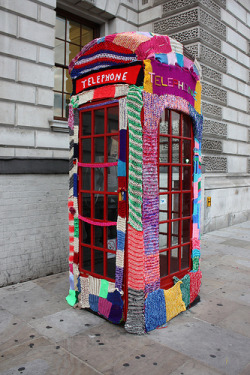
[185, 235]
[86, 258]
[73, 32]
[99, 149]
[86, 150]
[86, 123]
[98, 265]
[57, 104]
[186, 152]
[175, 233]
[98, 235]
[71, 52]
[86, 204]
[186, 127]
[87, 35]
[175, 206]
[175, 178]
[164, 264]
[163, 178]
[58, 75]
[175, 151]
[163, 207]
[163, 236]
[113, 120]
[163, 149]
[186, 178]
[185, 257]
[59, 52]
[99, 179]
[99, 121]
[112, 207]
[111, 265]
[164, 123]
[112, 179]
[86, 232]
[174, 261]
[66, 101]
[186, 204]
[86, 178]
[67, 82]
[112, 143]
[111, 237]
[175, 123]
[98, 208]
[60, 28]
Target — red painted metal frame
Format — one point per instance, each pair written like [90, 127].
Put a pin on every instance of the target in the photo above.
[167, 281]
[92, 191]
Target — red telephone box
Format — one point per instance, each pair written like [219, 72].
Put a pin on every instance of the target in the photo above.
[135, 127]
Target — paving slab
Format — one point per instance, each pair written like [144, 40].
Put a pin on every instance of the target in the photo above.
[223, 350]
[55, 284]
[192, 367]
[238, 321]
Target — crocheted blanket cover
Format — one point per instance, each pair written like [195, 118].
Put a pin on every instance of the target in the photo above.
[160, 74]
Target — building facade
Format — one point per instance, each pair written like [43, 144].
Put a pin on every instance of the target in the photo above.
[37, 40]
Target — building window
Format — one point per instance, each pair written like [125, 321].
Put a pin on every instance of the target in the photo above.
[71, 34]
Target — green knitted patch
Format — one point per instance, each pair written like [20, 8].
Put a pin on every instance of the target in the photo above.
[185, 288]
[76, 227]
[104, 288]
[72, 298]
[196, 262]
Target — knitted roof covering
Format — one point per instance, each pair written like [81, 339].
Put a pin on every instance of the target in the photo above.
[127, 47]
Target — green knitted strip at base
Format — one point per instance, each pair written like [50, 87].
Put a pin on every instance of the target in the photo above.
[72, 298]
[76, 227]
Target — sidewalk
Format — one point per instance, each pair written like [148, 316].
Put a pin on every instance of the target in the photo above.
[40, 334]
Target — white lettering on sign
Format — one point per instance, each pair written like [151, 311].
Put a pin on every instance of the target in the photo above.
[103, 78]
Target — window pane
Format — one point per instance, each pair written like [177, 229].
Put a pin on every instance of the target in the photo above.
[86, 205]
[112, 207]
[185, 237]
[163, 236]
[71, 52]
[163, 178]
[86, 150]
[111, 237]
[113, 120]
[98, 236]
[185, 256]
[164, 123]
[98, 199]
[111, 265]
[163, 207]
[67, 82]
[186, 126]
[86, 178]
[112, 146]
[86, 232]
[174, 261]
[86, 258]
[66, 101]
[186, 152]
[175, 178]
[175, 233]
[175, 123]
[99, 179]
[112, 179]
[186, 178]
[98, 266]
[73, 32]
[99, 121]
[163, 149]
[99, 149]
[58, 79]
[164, 264]
[60, 27]
[87, 35]
[59, 52]
[186, 204]
[86, 123]
[175, 151]
[175, 206]
[57, 104]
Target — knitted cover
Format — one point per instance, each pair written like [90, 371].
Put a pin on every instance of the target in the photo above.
[171, 80]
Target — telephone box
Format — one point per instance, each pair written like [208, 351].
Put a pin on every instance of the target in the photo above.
[135, 128]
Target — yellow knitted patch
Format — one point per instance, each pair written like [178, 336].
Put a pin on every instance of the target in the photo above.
[147, 84]
[173, 300]
[197, 103]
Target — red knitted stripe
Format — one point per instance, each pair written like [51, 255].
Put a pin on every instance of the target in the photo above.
[135, 259]
[104, 92]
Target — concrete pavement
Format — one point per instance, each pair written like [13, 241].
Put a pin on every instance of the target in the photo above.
[40, 334]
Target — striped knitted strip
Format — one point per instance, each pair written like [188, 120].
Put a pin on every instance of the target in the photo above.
[134, 106]
[94, 286]
[135, 322]
[135, 259]
[123, 118]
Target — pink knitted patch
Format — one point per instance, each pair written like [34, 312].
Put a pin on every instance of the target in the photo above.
[104, 307]
[195, 284]
[135, 259]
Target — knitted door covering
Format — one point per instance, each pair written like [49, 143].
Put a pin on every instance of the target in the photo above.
[170, 79]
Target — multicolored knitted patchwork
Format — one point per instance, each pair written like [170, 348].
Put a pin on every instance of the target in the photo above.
[166, 77]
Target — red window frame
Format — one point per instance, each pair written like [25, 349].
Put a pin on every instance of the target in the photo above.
[100, 105]
[167, 280]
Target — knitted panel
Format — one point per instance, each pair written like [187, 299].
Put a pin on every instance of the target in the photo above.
[197, 122]
[104, 288]
[197, 103]
[76, 275]
[177, 47]
[135, 259]
[195, 283]
[185, 288]
[93, 302]
[123, 117]
[135, 322]
[155, 310]
[94, 285]
[173, 300]
[158, 43]
[134, 106]
[104, 307]
[130, 40]
[84, 292]
[71, 117]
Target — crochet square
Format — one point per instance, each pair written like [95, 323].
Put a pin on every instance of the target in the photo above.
[93, 302]
[155, 310]
[174, 302]
[104, 307]
[104, 288]
[185, 288]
